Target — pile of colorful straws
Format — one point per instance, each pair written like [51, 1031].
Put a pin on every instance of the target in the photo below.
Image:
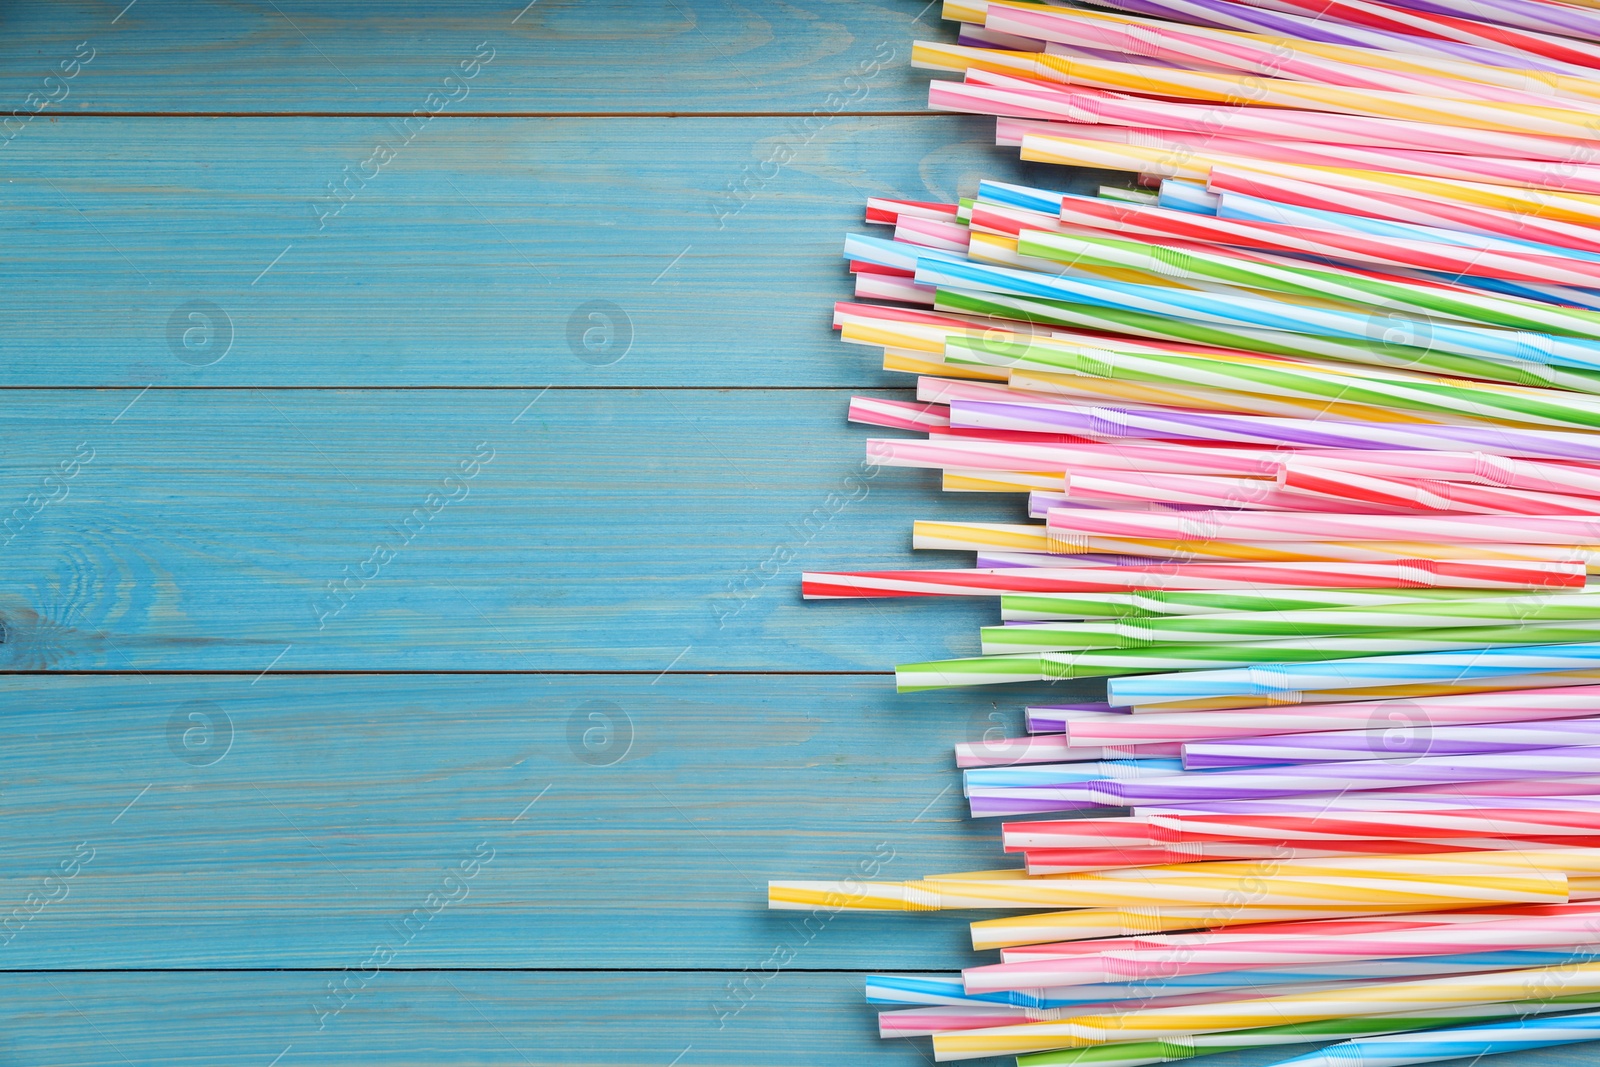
[1311, 418]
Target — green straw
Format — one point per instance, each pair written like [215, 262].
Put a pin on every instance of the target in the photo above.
[1161, 603]
[1308, 281]
[1270, 342]
[1313, 622]
[1542, 407]
[1112, 662]
[1134, 1053]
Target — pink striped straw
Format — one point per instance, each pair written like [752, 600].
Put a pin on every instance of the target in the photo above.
[873, 286]
[1045, 862]
[1142, 728]
[1365, 491]
[1477, 468]
[932, 233]
[994, 455]
[898, 414]
[987, 93]
[881, 209]
[1328, 192]
[1311, 526]
[1198, 47]
[1492, 258]
[1184, 954]
[1401, 19]
[1193, 161]
[1122, 486]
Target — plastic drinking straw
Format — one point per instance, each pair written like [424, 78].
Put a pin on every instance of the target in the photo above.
[1296, 658]
[1303, 622]
[898, 414]
[922, 1022]
[1071, 773]
[1494, 195]
[1227, 88]
[1223, 14]
[1265, 374]
[1471, 882]
[1386, 349]
[1127, 196]
[1287, 526]
[1488, 183]
[997, 455]
[1326, 193]
[907, 327]
[1190, 197]
[1338, 827]
[1481, 469]
[1242, 207]
[1431, 824]
[984, 537]
[872, 286]
[881, 209]
[1016, 1006]
[1012, 751]
[1562, 354]
[956, 480]
[1135, 1053]
[1188, 259]
[1154, 1023]
[1228, 630]
[1451, 452]
[1485, 256]
[1297, 59]
[916, 363]
[1126, 921]
[1119, 487]
[1072, 861]
[1154, 958]
[1258, 783]
[1445, 26]
[1386, 744]
[1475, 1041]
[1365, 491]
[1395, 717]
[930, 233]
[1160, 604]
[1563, 19]
[987, 93]
[1395, 574]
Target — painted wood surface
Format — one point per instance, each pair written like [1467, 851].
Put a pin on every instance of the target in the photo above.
[628, 822]
[548, 56]
[404, 1019]
[210, 252]
[480, 530]
[645, 723]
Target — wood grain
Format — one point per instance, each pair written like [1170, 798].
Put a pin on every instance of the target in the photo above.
[473, 258]
[610, 530]
[559, 56]
[632, 821]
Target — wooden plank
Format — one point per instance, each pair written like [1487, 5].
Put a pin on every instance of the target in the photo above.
[610, 530]
[492, 1020]
[628, 822]
[488, 252]
[549, 56]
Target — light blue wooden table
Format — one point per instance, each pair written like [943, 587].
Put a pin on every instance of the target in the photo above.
[387, 536]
